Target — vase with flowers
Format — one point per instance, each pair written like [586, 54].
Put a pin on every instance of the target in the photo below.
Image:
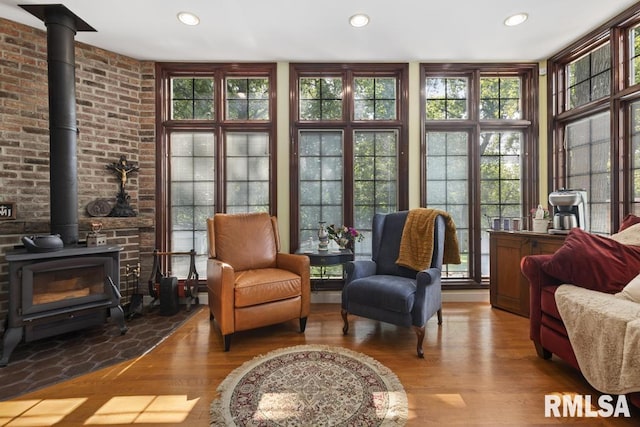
[344, 236]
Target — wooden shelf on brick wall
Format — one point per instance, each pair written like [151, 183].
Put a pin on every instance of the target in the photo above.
[116, 223]
[84, 225]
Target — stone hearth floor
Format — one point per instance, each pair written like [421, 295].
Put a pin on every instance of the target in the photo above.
[48, 361]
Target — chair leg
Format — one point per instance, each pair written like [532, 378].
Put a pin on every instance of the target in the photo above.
[303, 324]
[226, 339]
[345, 328]
[439, 314]
[420, 335]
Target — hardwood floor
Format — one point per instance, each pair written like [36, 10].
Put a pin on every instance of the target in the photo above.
[480, 368]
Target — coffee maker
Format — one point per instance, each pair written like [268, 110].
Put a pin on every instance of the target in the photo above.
[569, 210]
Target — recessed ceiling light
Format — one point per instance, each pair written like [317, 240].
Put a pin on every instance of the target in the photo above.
[359, 20]
[188, 18]
[516, 19]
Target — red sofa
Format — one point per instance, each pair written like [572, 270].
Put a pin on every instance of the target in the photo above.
[547, 330]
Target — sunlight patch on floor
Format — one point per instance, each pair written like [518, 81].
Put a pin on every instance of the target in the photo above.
[37, 412]
[452, 400]
[279, 406]
[143, 410]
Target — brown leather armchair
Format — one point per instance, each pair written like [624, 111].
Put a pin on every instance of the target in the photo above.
[249, 282]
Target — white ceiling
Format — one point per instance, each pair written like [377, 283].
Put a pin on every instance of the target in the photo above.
[318, 31]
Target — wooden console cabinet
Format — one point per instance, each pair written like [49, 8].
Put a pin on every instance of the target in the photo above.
[508, 288]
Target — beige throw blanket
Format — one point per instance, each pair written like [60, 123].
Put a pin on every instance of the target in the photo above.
[605, 336]
[416, 244]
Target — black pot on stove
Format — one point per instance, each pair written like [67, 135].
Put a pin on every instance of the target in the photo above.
[45, 243]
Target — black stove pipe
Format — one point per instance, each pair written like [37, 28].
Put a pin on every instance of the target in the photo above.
[63, 165]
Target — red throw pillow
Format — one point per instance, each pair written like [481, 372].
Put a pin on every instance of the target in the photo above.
[628, 221]
[594, 262]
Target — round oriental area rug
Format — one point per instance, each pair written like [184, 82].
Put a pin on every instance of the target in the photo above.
[311, 385]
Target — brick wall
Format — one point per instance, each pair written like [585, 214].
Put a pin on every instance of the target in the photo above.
[115, 97]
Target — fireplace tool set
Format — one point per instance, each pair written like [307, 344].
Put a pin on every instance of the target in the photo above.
[135, 306]
[165, 289]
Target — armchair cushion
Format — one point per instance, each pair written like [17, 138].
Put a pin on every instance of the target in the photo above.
[245, 241]
[394, 293]
[387, 254]
[631, 291]
[254, 287]
[594, 262]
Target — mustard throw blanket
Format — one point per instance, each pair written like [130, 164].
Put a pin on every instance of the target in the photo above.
[416, 245]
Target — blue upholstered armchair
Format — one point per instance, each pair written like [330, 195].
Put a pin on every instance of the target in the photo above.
[382, 290]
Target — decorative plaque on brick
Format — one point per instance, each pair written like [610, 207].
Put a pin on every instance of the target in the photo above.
[7, 210]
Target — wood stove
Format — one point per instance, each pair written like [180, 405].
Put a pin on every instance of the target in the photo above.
[74, 287]
[56, 292]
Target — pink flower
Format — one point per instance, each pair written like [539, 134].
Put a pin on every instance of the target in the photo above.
[344, 232]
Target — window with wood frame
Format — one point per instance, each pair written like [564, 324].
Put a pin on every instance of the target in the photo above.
[349, 147]
[215, 149]
[594, 95]
[478, 156]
